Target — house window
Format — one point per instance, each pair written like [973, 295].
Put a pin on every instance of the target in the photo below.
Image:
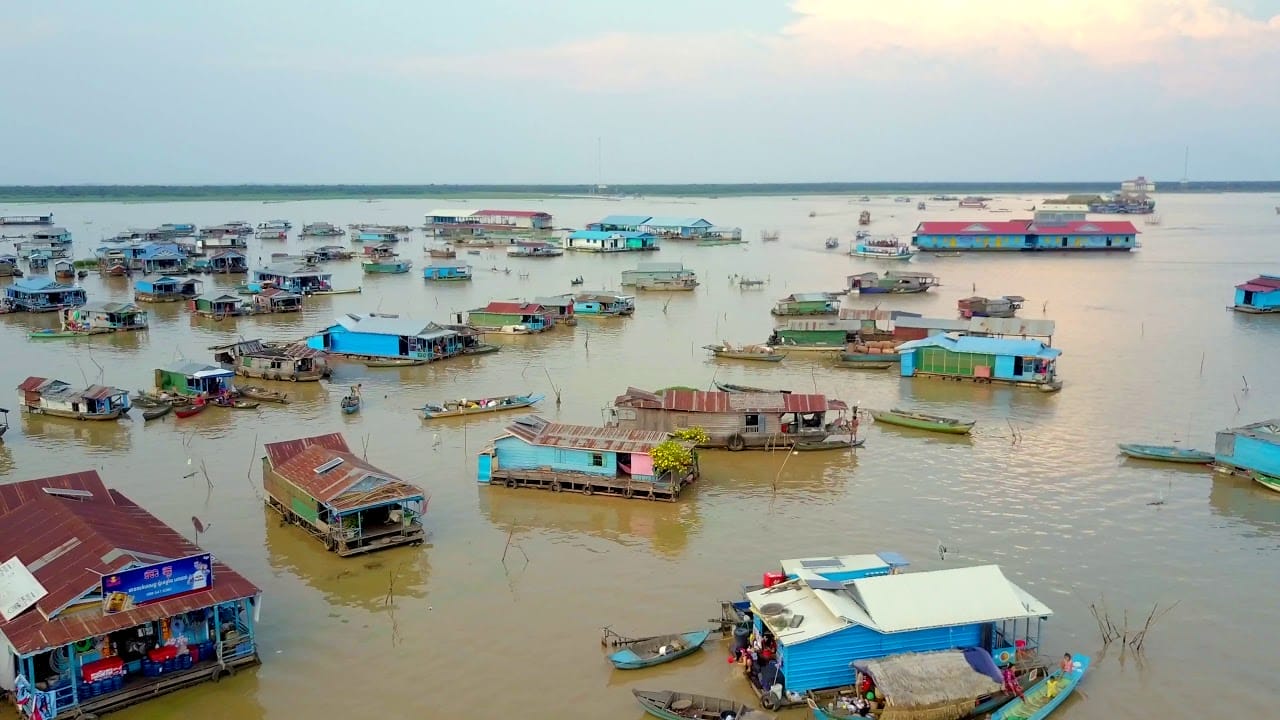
[753, 422]
[597, 460]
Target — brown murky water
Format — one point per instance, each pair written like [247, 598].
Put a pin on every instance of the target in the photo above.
[448, 630]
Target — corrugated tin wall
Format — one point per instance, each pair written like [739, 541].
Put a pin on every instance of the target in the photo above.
[825, 662]
[515, 453]
[1253, 454]
[365, 344]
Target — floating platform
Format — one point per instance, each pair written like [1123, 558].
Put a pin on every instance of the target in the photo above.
[589, 484]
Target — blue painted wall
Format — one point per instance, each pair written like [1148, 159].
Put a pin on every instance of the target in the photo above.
[515, 453]
[907, 363]
[1023, 242]
[1083, 242]
[1250, 454]
[1262, 301]
[343, 341]
[824, 663]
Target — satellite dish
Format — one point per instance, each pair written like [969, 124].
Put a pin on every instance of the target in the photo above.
[195, 523]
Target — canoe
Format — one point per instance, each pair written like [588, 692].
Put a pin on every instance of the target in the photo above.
[190, 410]
[922, 421]
[344, 291]
[892, 357]
[156, 412]
[732, 388]
[51, 334]
[864, 364]
[658, 650]
[237, 404]
[260, 393]
[1041, 699]
[828, 444]
[1267, 481]
[350, 404]
[394, 362]
[720, 352]
[481, 349]
[673, 705]
[156, 399]
[500, 403]
[1166, 453]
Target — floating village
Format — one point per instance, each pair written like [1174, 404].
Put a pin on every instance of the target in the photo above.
[105, 606]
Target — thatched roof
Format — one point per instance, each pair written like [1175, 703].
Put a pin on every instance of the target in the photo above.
[928, 679]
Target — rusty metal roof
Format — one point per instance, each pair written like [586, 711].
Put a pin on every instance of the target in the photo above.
[68, 543]
[338, 479]
[279, 452]
[700, 401]
[102, 392]
[32, 384]
[537, 430]
[14, 494]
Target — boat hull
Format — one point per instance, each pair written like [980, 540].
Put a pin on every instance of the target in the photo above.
[1039, 702]
[58, 334]
[1166, 453]
[864, 364]
[1266, 481]
[628, 659]
[758, 357]
[671, 705]
[919, 422]
[891, 358]
[72, 415]
[516, 403]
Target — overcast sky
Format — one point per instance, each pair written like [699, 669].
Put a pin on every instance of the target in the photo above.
[518, 91]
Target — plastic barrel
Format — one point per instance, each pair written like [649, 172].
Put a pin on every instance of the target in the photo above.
[741, 637]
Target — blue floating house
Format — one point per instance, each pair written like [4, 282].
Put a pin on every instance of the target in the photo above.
[156, 257]
[380, 336]
[54, 235]
[166, 289]
[535, 452]
[1252, 450]
[828, 612]
[603, 302]
[375, 235]
[1259, 295]
[619, 223]
[1048, 231]
[677, 227]
[43, 295]
[223, 262]
[301, 279]
[982, 359]
[447, 271]
[610, 241]
[116, 607]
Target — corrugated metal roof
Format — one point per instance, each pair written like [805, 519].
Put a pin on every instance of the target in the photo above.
[109, 307]
[69, 543]
[603, 296]
[14, 494]
[293, 270]
[102, 392]
[850, 313]
[511, 213]
[39, 284]
[724, 402]
[280, 452]
[1005, 227]
[1254, 287]
[344, 472]
[558, 301]
[807, 297]
[387, 325]
[985, 346]
[658, 267]
[676, 222]
[1085, 227]
[1012, 326]
[451, 213]
[924, 323]
[624, 220]
[32, 383]
[1266, 282]
[445, 264]
[536, 430]
[511, 306]
[943, 598]
[607, 234]
[195, 369]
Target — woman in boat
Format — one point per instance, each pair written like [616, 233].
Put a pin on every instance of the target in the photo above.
[1011, 684]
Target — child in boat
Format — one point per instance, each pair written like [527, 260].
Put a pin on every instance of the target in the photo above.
[1059, 679]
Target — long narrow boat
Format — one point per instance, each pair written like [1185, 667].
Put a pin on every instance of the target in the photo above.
[1166, 453]
[1045, 696]
[923, 421]
[341, 291]
[254, 392]
[766, 354]
[658, 650]
[351, 403]
[190, 410]
[732, 388]
[864, 364]
[477, 407]
[890, 358]
[156, 412]
[392, 362]
[673, 705]
[51, 334]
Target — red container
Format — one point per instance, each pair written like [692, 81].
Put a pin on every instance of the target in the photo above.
[773, 578]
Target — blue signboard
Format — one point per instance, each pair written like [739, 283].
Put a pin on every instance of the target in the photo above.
[138, 586]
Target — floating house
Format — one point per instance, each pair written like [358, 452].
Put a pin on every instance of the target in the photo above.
[271, 234]
[220, 306]
[1251, 450]
[1061, 231]
[619, 223]
[294, 277]
[322, 229]
[53, 235]
[560, 308]
[982, 359]
[610, 241]
[166, 289]
[451, 218]
[683, 228]
[1259, 295]
[275, 300]
[156, 258]
[816, 335]
[514, 219]
[603, 303]
[111, 316]
[351, 506]
[27, 219]
[827, 613]
[224, 262]
[499, 314]
[537, 453]
[293, 362]
[531, 248]
[892, 282]
[375, 235]
[738, 421]
[111, 606]
[42, 248]
[42, 396]
[916, 327]
[43, 295]
[807, 304]
[660, 276]
[1005, 306]
[447, 271]
[9, 266]
[383, 336]
[194, 379]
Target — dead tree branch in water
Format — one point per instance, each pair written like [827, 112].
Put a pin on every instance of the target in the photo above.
[1132, 639]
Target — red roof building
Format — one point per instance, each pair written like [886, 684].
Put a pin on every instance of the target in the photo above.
[950, 227]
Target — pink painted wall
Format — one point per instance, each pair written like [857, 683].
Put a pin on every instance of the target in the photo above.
[641, 464]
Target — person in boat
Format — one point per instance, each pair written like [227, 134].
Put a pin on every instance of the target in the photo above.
[860, 706]
[1059, 679]
[1011, 684]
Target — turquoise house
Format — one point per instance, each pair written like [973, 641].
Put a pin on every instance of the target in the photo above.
[841, 609]
[610, 241]
[981, 359]
[1251, 450]
[380, 336]
[603, 302]
[37, 294]
[1259, 295]
[447, 271]
[375, 235]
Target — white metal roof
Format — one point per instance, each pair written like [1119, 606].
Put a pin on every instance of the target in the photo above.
[961, 596]
[451, 213]
[816, 566]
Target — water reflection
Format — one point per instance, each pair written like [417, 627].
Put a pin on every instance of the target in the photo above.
[764, 472]
[232, 697]
[1246, 500]
[665, 527]
[364, 581]
[106, 436]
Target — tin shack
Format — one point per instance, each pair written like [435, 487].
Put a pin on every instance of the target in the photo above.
[351, 506]
[560, 308]
[537, 453]
[660, 276]
[166, 289]
[111, 316]
[293, 362]
[385, 337]
[43, 295]
[294, 277]
[43, 396]
[505, 313]
[738, 421]
[1251, 450]
[817, 303]
[113, 606]
[982, 359]
[603, 303]
[195, 379]
[1259, 295]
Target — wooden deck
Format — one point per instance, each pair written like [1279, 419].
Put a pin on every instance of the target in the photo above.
[143, 689]
[588, 484]
[374, 538]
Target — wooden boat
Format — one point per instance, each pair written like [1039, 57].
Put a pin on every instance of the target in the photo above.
[1267, 481]
[190, 410]
[1045, 696]
[260, 393]
[4, 421]
[236, 404]
[879, 364]
[762, 353]
[657, 650]
[393, 362]
[351, 402]
[732, 388]
[890, 357]
[150, 399]
[831, 243]
[577, 281]
[673, 705]
[478, 407]
[923, 421]
[480, 349]
[827, 444]
[51, 334]
[824, 703]
[156, 412]
[1166, 453]
[341, 291]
